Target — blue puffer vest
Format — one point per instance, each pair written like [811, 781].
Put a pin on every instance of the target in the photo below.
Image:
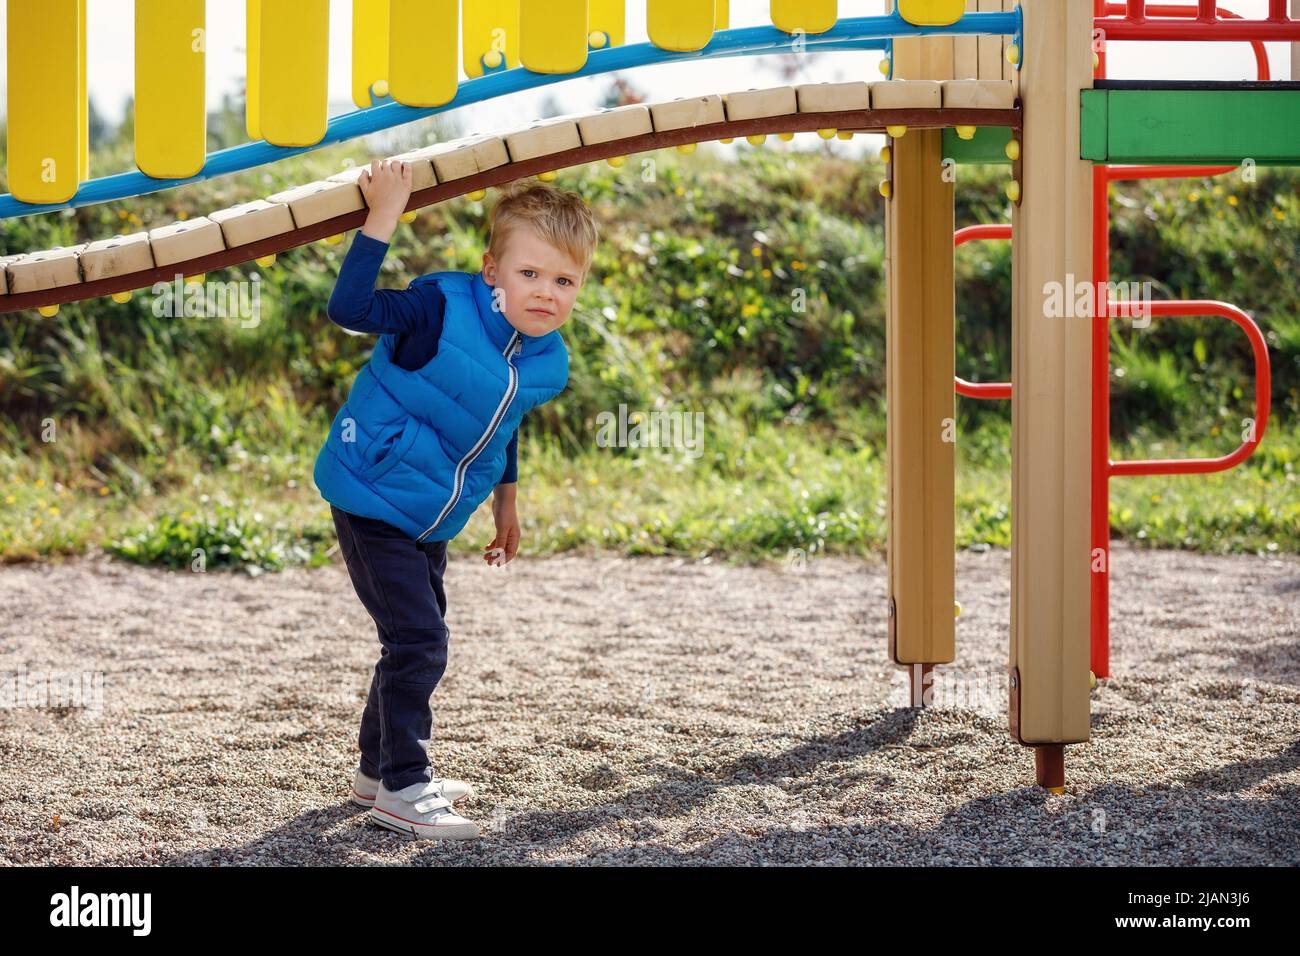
[423, 449]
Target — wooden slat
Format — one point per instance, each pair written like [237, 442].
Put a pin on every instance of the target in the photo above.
[826, 97]
[171, 126]
[553, 35]
[750, 104]
[46, 125]
[681, 25]
[293, 71]
[978, 95]
[118, 256]
[990, 47]
[966, 59]
[422, 51]
[369, 48]
[489, 26]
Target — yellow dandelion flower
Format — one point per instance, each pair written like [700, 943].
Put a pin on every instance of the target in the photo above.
[749, 310]
[53, 509]
[1232, 200]
[1279, 215]
[797, 265]
[10, 499]
[756, 251]
[103, 491]
[767, 273]
[1193, 196]
[40, 482]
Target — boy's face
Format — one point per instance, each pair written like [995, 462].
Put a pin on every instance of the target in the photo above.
[538, 283]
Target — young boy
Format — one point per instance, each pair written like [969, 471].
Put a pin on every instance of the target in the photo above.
[429, 428]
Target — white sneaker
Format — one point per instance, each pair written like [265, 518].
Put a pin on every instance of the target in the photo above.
[364, 789]
[422, 811]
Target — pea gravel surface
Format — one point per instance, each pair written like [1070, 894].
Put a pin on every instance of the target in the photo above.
[642, 711]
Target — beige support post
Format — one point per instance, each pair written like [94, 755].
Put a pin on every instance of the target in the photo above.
[1050, 409]
[919, 381]
[1295, 47]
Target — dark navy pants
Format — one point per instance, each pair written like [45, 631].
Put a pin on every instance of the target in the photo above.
[400, 584]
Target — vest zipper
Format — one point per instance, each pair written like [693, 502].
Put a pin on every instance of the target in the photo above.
[511, 350]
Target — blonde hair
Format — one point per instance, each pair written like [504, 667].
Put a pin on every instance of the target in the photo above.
[560, 218]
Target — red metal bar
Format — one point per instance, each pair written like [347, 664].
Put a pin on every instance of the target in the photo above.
[1263, 387]
[1100, 494]
[1183, 10]
[1117, 174]
[984, 390]
[1277, 10]
[1197, 30]
[1137, 11]
[1205, 13]
[988, 230]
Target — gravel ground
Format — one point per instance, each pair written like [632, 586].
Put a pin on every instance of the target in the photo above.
[662, 712]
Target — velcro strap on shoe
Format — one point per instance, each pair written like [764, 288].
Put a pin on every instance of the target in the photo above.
[431, 802]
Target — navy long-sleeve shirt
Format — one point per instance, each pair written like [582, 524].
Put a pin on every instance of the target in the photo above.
[415, 315]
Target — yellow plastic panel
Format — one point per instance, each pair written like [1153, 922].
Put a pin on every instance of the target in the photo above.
[490, 27]
[83, 95]
[171, 128]
[681, 25]
[422, 48]
[293, 71]
[610, 18]
[722, 18]
[931, 13]
[553, 35]
[810, 16]
[369, 48]
[45, 80]
[252, 84]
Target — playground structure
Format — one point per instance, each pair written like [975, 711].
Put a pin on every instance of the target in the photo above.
[970, 81]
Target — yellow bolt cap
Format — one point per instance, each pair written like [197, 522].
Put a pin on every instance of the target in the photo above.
[477, 195]
[686, 148]
[844, 134]
[726, 140]
[548, 176]
[898, 132]
[196, 280]
[1013, 149]
[826, 133]
[617, 161]
[48, 310]
[1013, 54]
[492, 59]
[785, 137]
[758, 139]
[596, 39]
[334, 240]
[886, 154]
[408, 216]
[265, 261]
[1013, 191]
[965, 132]
[379, 87]
[886, 188]
[120, 297]
[884, 67]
